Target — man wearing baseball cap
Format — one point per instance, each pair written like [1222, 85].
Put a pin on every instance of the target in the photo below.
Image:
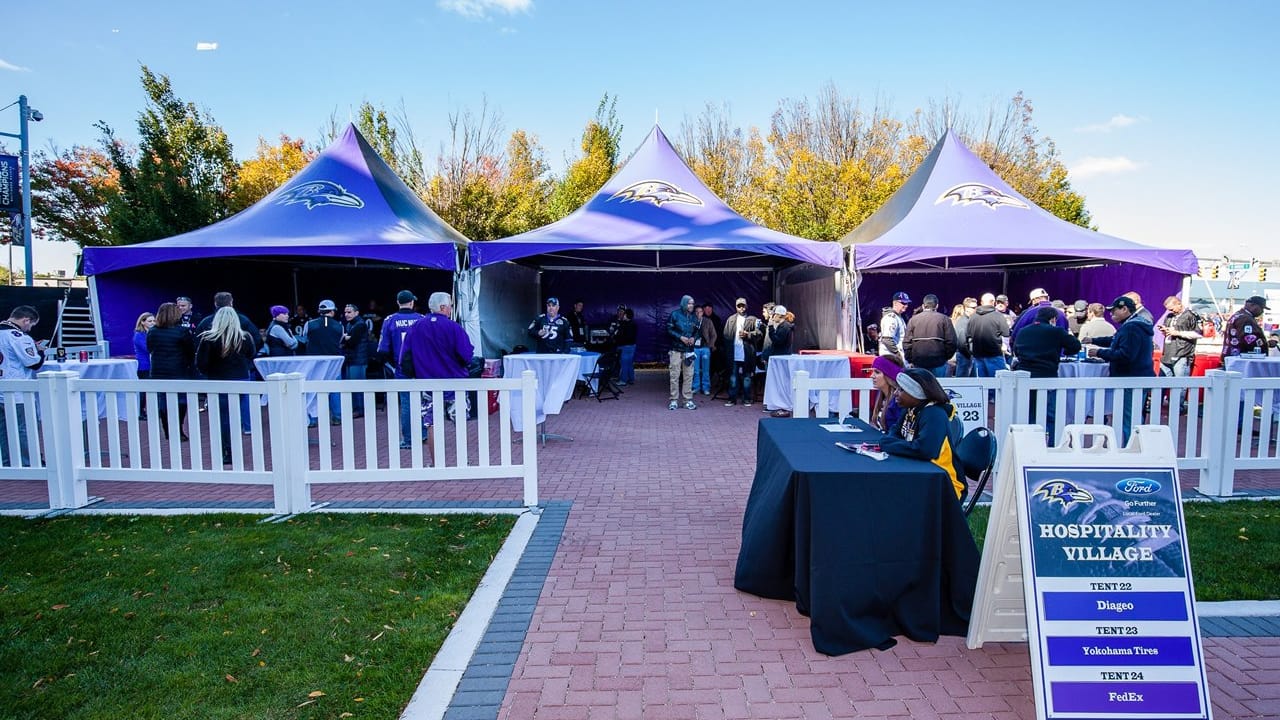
[323, 336]
[551, 330]
[1129, 351]
[391, 350]
[893, 326]
[1244, 332]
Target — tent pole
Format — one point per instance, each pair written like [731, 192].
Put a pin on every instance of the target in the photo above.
[296, 301]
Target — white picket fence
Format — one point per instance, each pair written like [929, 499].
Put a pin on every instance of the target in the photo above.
[1230, 423]
[83, 430]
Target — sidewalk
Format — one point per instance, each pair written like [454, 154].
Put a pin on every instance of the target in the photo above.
[638, 618]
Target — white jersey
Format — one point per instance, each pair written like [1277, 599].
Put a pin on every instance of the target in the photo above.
[19, 356]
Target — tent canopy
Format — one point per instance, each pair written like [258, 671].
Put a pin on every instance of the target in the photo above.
[652, 213]
[344, 204]
[955, 212]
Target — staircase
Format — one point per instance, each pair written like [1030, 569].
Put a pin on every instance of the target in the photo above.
[76, 328]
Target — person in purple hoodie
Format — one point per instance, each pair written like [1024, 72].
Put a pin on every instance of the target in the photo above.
[436, 347]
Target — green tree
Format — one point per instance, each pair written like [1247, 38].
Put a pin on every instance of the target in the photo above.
[526, 189]
[269, 168]
[181, 176]
[600, 154]
[70, 194]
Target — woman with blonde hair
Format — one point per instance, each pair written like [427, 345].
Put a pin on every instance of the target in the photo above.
[226, 352]
[146, 321]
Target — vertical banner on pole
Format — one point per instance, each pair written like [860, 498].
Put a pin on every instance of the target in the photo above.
[10, 195]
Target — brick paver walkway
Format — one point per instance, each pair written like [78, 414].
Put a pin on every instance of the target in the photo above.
[638, 617]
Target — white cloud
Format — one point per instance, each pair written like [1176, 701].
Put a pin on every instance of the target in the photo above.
[205, 46]
[10, 66]
[480, 9]
[507, 31]
[1094, 166]
[1115, 123]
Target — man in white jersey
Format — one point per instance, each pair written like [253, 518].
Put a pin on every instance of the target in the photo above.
[20, 358]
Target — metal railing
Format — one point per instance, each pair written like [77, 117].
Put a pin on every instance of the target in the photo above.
[67, 431]
[1229, 422]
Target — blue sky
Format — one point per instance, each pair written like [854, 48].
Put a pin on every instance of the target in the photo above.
[1165, 112]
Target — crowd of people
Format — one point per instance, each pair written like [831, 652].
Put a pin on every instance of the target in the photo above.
[176, 343]
[984, 335]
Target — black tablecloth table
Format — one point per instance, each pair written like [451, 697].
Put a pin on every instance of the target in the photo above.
[868, 549]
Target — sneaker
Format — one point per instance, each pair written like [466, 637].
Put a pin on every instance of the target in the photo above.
[690, 406]
[746, 404]
[405, 446]
[731, 403]
[673, 405]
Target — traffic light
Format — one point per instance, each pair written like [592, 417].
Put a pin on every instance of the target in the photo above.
[1262, 274]
[1213, 273]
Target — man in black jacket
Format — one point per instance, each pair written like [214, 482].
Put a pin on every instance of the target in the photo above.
[930, 339]
[224, 299]
[355, 353]
[323, 336]
[1038, 347]
[988, 331]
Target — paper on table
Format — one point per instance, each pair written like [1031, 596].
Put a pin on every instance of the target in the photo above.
[839, 428]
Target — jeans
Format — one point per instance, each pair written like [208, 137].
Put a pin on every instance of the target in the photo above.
[940, 371]
[1181, 367]
[989, 366]
[740, 376]
[627, 364]
[224, 422]
[702, 370]
[1050, 413]
[964, 366]
[353, 372]
[405, 429]
[23, 453]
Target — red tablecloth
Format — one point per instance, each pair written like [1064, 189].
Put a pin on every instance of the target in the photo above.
[859, 363]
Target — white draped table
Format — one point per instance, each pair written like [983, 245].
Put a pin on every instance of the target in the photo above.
[113, 369]
[1257, 367]
[557, 377]
[1077, 369]
[777, 384]
[312, 367]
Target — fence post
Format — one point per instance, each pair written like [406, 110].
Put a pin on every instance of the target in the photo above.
[529, 417]
[1221, 433]
[290, 458]
[62, 429]
[1012, 400]
[800, 394]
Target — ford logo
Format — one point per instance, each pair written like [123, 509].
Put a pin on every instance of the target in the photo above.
[1138, 486]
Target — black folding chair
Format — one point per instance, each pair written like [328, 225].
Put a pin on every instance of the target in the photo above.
[602, 383]
[977, 455]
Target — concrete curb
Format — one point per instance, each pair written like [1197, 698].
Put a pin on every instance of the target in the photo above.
[435, 692]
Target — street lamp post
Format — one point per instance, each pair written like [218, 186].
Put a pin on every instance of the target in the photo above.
[26, 114]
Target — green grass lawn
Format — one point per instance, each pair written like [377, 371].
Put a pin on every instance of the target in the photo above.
[1235, 548]
[220, 616]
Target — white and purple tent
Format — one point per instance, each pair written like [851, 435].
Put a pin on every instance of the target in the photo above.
[956, 229]
[344, 228]
[654, 232]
